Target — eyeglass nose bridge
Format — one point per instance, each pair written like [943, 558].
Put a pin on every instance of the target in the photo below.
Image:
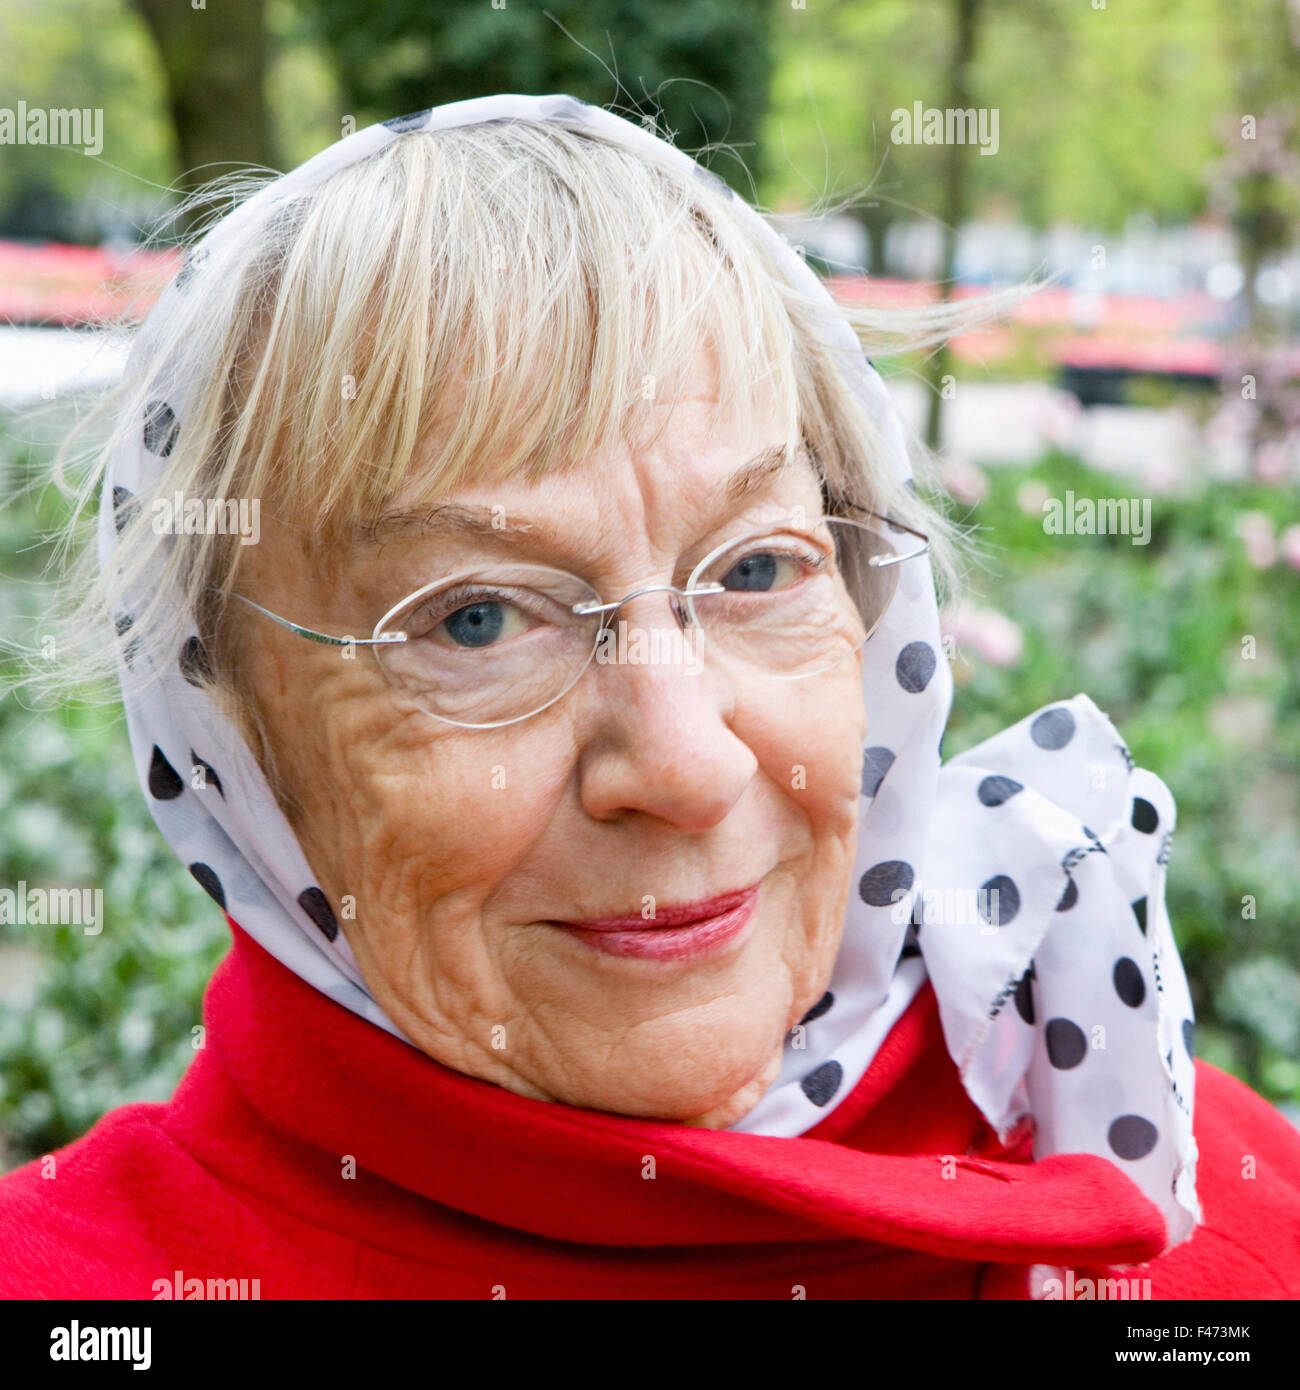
[680, 611]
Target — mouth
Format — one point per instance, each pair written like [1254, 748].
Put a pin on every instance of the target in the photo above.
[683, 931]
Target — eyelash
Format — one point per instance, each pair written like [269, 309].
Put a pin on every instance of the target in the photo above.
[439, 607]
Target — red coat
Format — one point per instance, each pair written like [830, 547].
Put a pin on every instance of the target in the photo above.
[309, 1150]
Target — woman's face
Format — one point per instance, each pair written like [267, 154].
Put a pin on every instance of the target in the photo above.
[462, 849]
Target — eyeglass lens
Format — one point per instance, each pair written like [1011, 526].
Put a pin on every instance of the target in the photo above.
[494, 645]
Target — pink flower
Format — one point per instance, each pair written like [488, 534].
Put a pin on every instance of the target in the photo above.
[1255, 531]
[988, 633]
[1271, 464]
[1291, 546]
[1057, 418]
[962, 480]
[1030, 496]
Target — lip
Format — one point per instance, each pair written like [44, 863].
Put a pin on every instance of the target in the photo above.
[686, 931]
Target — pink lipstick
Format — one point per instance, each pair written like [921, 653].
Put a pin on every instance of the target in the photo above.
[686, 931]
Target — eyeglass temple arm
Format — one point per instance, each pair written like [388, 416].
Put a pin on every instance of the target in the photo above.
[312, 635]
[882, 561]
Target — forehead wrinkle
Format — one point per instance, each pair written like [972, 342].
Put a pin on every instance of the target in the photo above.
[474, 521]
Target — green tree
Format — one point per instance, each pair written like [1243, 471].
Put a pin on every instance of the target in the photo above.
[1102, 112]
[701, 68]
[89, 54]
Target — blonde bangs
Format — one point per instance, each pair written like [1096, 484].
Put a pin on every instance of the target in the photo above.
[511, 302]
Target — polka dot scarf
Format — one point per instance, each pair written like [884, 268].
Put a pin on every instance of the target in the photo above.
[1024, 879]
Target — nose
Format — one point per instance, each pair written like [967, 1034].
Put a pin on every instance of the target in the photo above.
[658, 737]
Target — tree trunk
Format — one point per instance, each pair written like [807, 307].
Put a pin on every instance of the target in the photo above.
[214, 59]
[954, 202]
[875, 219]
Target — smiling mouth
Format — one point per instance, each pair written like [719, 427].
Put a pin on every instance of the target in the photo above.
[677, 915]
[682, 934]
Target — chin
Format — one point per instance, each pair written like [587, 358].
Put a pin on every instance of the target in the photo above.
[677, 1084]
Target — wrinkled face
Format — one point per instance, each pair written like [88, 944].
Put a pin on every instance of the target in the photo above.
[648, 786]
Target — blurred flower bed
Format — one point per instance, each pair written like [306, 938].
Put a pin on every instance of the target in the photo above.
[1153, 633]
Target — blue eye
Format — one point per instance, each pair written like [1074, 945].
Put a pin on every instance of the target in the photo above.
[477, 625]
[754, 573]
[771, 571]
[470, 617]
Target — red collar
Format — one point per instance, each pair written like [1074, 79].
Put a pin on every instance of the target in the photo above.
[290, 1085]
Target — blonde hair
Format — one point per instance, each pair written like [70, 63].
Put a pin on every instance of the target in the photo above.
[518, 295]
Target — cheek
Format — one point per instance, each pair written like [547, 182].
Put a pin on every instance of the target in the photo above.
[813, 755]
[389, 802]
[811, 747]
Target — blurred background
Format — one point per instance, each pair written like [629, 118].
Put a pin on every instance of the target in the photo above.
[1146, 155]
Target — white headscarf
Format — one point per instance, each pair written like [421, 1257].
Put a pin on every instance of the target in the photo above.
[1024, 879]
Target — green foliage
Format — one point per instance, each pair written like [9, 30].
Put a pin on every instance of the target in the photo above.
[86, 54]
[1101, 112]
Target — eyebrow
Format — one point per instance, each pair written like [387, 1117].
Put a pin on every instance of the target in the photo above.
[473, 520]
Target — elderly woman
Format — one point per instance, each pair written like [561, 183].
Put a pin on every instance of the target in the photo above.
[561, 738]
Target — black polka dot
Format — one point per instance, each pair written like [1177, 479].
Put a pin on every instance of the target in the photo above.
[192, 262]
[195, 664]
[915, 666]
[1053, 729]
[1025, 995]
[123, 624]
[160, 428]
[882, 881]
[1132, 1137]
[1000, 909]
[125, 509]
[164, 782]
[820, 1085]
[875, 763]
[1069, 897]
[908, 483]
[209, 772]
[568, 108]
[1189, 1037]
[314, 903]
[819, 1008]
[210, 883]
[993, 791]
[1066, 1044]
[415, 121]
[715, 179]
[1140, 912]
[1129, 984]
[1145, 818]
